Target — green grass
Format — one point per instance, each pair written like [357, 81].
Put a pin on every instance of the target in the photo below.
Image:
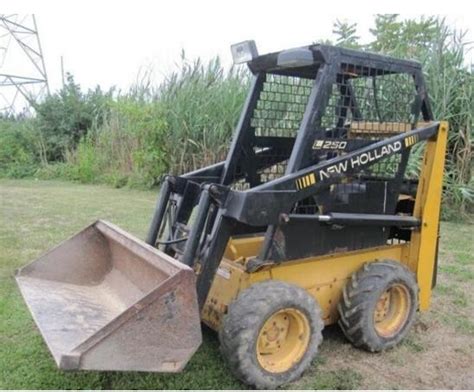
[413, 344]
[458, 274]
[345, 378]
[35, 215]
[460, 271]
[456, 295]
[462, 324]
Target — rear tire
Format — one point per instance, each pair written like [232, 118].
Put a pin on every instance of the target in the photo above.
[378, 305]
[271, 334]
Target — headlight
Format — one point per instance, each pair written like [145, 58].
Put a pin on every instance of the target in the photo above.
[244, 51]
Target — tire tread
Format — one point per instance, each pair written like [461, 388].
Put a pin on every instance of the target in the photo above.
[238, 332]
[358, 295]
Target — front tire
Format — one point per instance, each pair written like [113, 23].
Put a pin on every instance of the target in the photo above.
[271, 334]
[378, 306]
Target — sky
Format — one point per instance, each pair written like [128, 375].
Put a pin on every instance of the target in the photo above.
[111, 42]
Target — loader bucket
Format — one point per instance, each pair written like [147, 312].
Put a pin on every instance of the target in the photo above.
[104, 300]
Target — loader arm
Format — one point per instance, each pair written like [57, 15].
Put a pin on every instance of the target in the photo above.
[271, 203]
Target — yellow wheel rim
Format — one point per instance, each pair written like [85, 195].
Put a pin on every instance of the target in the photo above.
[392, 310]
[283, 340]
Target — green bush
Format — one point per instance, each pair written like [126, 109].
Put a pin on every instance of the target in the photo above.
[18, 148]
[126, 149]
[51, 171]
[183, 124]
[86, 168]
[65, 117]
[201, 104]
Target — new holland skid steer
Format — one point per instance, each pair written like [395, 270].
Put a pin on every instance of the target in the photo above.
[326, 210]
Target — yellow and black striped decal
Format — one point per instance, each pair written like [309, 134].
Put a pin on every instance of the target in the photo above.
[411, 140]
[305, 181]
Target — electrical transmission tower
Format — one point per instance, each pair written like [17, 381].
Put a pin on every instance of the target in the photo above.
[23, 77]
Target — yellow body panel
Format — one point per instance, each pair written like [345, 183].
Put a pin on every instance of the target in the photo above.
[325, 276]
[427, 208]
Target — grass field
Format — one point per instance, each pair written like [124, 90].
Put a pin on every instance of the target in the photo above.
[35, 215]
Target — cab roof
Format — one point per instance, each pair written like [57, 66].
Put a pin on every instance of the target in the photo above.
[305, 62]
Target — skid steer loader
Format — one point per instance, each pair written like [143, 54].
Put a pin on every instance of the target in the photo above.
[326, 210]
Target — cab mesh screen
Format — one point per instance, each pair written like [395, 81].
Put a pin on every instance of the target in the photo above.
[278, 114]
